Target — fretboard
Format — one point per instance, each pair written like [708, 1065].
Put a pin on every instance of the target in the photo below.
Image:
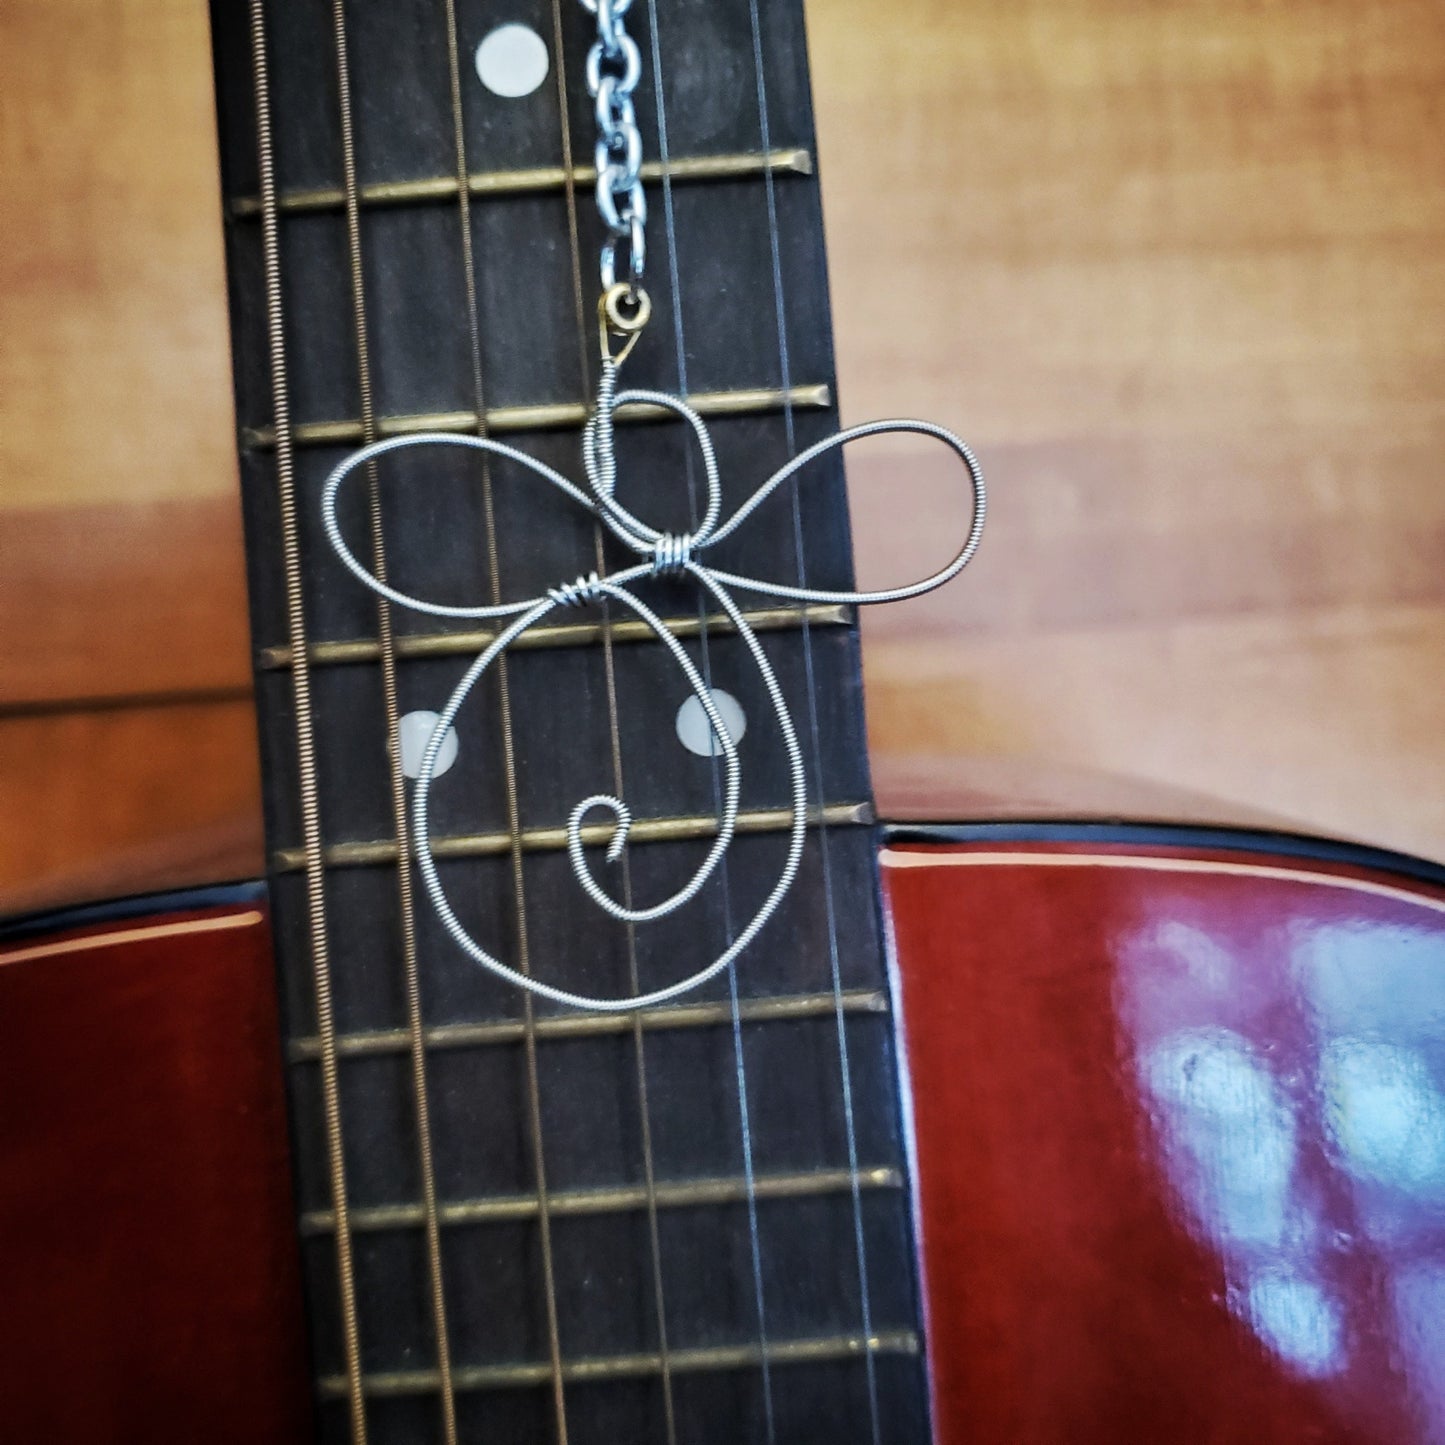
[517, 1222]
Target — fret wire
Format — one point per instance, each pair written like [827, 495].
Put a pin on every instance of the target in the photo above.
[601, 1368]
[794, 161]
[562, 634]
[406, 902]
[740, 1067]
[509, 756]
[617, 1199]
[545, 416]
[546, 840]
[845, 1077]
[305, 739]
[609, 629]
[775, 1008]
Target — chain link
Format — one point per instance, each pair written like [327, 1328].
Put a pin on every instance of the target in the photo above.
[614, 68]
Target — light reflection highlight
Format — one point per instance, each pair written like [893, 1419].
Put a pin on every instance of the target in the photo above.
[1232, 1133]
[1419, 1301]
[1297, 1319]
[1293, 1067]
[1291, 1057]
[1386, 1118]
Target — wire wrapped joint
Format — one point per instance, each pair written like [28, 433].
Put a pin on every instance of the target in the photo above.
[577, 593]
[671, 556]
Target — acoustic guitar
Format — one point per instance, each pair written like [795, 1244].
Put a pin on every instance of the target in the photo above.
[996, 1132]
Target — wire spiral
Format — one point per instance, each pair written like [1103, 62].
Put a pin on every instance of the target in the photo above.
[664, 555]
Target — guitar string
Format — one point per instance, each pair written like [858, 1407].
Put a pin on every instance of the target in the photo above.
[305, 735]
[834, 959]
[509, 758]
[654, 1237]
[391, 708]
[739, 1059]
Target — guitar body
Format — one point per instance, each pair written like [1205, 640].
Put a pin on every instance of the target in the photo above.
[147, 1239]
[1178, 1107]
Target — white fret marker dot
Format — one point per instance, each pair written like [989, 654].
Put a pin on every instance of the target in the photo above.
[414, 733]
[694, 730]
[512, 61]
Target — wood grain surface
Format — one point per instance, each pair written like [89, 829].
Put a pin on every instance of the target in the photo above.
[1178, 273]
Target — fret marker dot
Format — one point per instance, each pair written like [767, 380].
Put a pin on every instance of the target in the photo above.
[414, 733]
[512, 61]
[695, 732]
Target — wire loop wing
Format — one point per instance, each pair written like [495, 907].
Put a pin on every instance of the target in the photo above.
[786, 473]
[332, 490]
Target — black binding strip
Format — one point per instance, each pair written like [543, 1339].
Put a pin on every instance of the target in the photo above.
[1165, 835]
[121, 910]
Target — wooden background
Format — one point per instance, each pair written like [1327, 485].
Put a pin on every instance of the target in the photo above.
[1178, 272]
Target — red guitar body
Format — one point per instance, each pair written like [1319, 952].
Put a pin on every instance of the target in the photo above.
[1180, 1116]
[1178, 1106]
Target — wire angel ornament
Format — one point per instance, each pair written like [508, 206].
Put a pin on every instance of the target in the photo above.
[664, 555]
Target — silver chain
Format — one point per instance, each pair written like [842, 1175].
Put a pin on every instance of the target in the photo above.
[614, 66]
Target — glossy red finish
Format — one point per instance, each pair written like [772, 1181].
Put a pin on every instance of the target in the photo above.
[1180, 1124]
[147, 1249]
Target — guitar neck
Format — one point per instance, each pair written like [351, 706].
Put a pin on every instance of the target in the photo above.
[517, 1221]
